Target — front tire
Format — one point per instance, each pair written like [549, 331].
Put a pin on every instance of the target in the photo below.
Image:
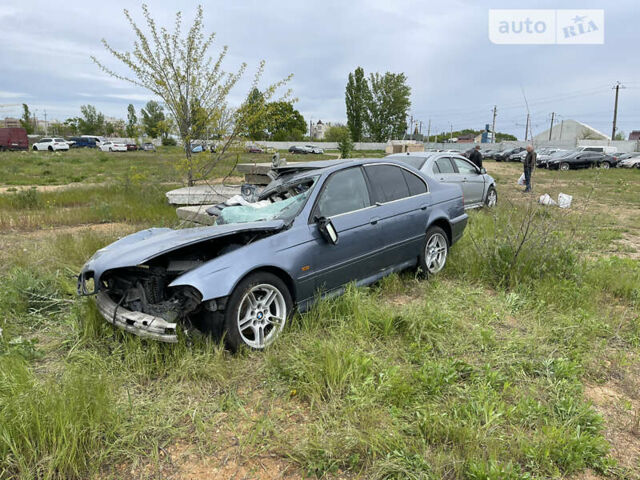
[564, 166]
[257, 311]
[51, 149]
[435, 249]
[35, 149]
[492, 197]
[605, 165]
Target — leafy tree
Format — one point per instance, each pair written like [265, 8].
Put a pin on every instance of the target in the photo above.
[180, 71]
[132, 122]
[387, 105]
[26, 121]
[345, 145]
[356, 94]
[91, 122]
[152, 115]
[283, 122]
[335, 133]
[500, 137]
[71, 124]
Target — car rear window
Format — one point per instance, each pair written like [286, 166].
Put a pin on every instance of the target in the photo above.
[444, 165]
[416, 184]
[415, 162]
[387, 182]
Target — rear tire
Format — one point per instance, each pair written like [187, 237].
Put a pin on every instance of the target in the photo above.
[35, 149]
[564, 166]
[434, 252]
[50, 149]
[257, 311]
[605, 165]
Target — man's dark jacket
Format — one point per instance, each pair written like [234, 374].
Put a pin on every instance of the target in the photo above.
[530, 159]
[476, 158]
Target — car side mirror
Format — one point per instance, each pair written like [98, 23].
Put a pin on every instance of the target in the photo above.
[483, 170]
[327, 230]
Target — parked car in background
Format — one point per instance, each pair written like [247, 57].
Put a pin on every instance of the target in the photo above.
[97, 139]
[110, 146]
[543, 157]
[82, 142]
[254, 149]
[478, 188]
[598, 148]
[608, 161]
[299, 149]
[517, 157]
[315, 149]
[576, 159]
[629, 160]
[503, 156]
[132, 147]
[13, 139]
[51, 144]
[326, 224]
[148, 147]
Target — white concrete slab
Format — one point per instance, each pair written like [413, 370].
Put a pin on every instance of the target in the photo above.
[202, 194]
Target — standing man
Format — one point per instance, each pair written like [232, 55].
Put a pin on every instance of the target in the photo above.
[529, 163]
[476, 157]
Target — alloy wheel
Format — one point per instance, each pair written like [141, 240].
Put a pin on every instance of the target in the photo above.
[435, 253]
[261, 315]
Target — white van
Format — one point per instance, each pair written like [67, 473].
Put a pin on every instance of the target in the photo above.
[596, 148]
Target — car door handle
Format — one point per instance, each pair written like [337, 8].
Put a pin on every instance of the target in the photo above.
[374, 221]
[423, 207]
[442, 179]
[464, 179]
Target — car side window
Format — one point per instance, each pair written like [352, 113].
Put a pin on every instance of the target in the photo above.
[444, 165]
[344, 191]
[387, 182]
[464, 166]
[45, 140]
[435, 168]
[416, 184]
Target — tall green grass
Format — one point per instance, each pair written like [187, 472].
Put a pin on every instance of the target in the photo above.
[59, 428]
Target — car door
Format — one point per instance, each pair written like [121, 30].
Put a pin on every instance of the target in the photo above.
[472, 181]
[345, 200]
[402, 208]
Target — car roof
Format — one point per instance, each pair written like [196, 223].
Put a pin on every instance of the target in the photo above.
[322, 166]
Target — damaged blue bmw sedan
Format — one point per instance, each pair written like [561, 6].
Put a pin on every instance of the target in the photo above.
[314, 229]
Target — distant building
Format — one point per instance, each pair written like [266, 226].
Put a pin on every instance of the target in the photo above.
[571, 131]
[467, 138]
[10, 122]
[634, 135]
[318, 130]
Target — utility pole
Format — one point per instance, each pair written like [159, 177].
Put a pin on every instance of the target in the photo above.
[429, 132]
[526, 128]
[46, 125]
[561, 125]
[450, 132]
[617, 87]
[553, 115]
[493, 125]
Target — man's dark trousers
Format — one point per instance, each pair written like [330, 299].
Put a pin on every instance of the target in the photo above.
[527, 178]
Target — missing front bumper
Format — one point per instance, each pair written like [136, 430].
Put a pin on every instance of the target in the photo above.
[138, 323]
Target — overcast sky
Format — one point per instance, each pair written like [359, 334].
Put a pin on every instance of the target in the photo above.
[456, 74]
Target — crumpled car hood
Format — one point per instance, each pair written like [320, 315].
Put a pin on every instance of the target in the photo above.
[145, 245]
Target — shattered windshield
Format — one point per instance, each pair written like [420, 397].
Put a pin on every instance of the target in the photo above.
[283, 203]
